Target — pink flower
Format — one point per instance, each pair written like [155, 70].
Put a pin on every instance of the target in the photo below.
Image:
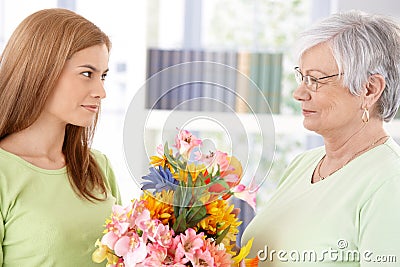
[185, 141]
[201, 258]
[149, 229]
[155, 231]
[214, 160]
[132, 249]
[247, 194]
[143, 221]
[110, 239]
[160, 150]
[164, 235]
[178, 253]
[190, 243]
[137, 210]
[118, 223]
[157, 255]
[222, 160]
[218, 253]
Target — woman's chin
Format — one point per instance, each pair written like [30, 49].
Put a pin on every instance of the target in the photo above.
[310, 125]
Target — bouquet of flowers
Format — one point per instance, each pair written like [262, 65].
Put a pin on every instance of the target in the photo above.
[183, 217]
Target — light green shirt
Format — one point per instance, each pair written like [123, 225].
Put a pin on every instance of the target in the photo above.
[42, 221]
[352, 218]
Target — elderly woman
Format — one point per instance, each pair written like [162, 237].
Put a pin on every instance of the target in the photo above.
[340, 204]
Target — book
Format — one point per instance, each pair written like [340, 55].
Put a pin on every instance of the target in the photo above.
[174, 79]
[152, 80]
[219, 78]
[185, 78]
[165, 80]
[207, 103]
[254, 91]
[242, 82]
[265, 83]
[196, 72]
[230, 81]
[277, 62]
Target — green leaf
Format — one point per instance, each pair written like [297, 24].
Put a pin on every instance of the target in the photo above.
[198, 193]
[182, 196]
[166, 149]
[200, 180]
[189, 180]
[223, 183]
[195, 215]
[180, 223]
[222, 235]
[170, 159]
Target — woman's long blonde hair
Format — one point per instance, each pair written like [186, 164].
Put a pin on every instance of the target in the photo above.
[30, 66]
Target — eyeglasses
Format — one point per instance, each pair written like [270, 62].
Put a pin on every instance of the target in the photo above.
[310, 81]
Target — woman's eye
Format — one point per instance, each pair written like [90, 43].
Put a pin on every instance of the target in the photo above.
[87, 74]
[103, 76]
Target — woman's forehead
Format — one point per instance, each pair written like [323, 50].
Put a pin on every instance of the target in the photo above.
[319, 58]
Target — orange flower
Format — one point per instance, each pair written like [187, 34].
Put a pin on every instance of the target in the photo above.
[220, 218]
[160, 206]
[251, 262]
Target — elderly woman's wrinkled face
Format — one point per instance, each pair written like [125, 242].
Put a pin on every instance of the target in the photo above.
[330, 110]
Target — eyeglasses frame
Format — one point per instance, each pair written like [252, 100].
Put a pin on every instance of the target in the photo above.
[297, 69]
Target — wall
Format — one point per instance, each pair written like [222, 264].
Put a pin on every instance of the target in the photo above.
[386, 7]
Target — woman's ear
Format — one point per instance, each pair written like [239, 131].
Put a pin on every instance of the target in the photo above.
[374, 89]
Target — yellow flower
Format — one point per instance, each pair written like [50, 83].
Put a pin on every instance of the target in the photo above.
[244, 251]
[157, 161]
[161, 161]
[160, 206]
[221, 217]
[102, 253]
[193, 169]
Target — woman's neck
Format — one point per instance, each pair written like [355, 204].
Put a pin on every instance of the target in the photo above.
[40, 144]
[346, 144]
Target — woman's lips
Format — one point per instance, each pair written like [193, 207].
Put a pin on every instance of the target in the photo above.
[91, 108]
[307, 112]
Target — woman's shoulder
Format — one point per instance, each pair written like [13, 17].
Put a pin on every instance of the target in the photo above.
[7, 158]
[98, 155]
[394, 148]
[109, 176]
[385, 159]
[303, 162]
[103, 162]
[101, 158]
[308, 156]
[383, 164]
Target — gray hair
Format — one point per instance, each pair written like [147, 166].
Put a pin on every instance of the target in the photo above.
[362, 45]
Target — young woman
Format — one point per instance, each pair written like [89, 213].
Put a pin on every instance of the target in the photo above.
[55, 192]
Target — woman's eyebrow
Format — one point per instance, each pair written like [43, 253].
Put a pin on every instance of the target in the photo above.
[93, 68]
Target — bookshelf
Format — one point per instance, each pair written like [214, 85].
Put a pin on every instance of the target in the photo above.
[213, 80]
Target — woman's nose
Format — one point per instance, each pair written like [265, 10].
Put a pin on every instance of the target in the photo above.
[99, 90]
[301, 93]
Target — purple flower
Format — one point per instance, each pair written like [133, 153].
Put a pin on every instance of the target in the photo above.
[159, 180]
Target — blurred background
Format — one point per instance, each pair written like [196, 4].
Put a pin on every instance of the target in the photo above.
[242, 28]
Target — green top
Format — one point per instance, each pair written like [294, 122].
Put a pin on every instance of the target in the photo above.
[42, 221]
[352, 218]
